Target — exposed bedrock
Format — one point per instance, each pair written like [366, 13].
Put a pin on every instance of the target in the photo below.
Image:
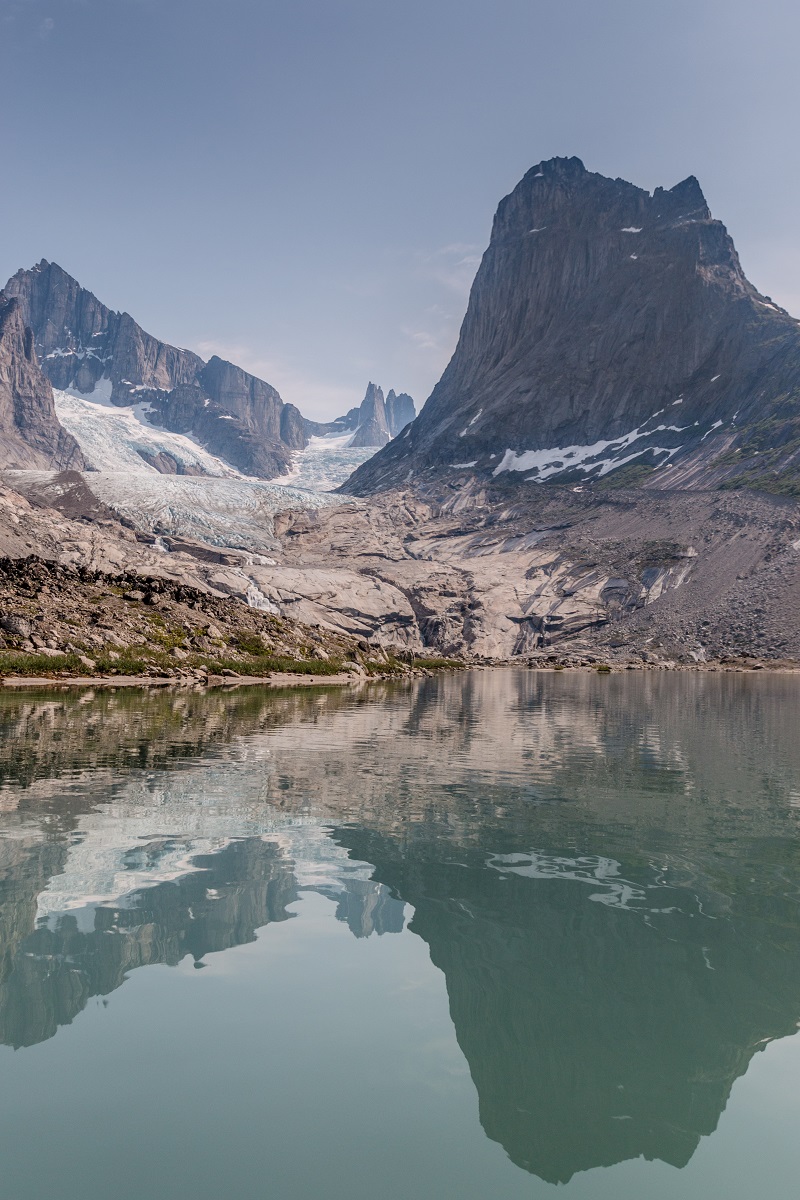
[31, 435]
[491, 573]
[609, 329]
[680, 576]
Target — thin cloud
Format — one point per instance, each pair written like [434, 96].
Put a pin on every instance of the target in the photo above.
[452, 266]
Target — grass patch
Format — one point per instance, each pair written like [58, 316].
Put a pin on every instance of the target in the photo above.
[18, 662]
[603, 669]
[249, 643]
[630, 475]
[142, 660]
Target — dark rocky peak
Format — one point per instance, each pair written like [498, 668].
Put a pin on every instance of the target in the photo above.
[400, 410]
[79, 340]
[31, 436]
[375, 418]
[608, 326]
[373, 428]
[562, 194]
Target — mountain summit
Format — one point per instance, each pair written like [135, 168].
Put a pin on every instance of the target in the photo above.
[609, 327]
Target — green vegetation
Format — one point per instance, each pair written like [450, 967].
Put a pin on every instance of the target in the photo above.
[630, 475]
[17, 662]
[764, 446]
[249, 643]
[142, 661]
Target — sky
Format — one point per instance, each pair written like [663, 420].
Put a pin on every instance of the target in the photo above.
[306, 187]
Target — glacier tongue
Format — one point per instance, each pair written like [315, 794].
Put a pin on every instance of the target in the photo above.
[214, 503]
[235, 513]
[326, 462]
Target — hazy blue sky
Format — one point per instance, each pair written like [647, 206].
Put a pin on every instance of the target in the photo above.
[305, 186]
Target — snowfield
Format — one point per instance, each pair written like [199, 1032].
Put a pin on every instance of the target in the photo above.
[112, 440]
[112, 437]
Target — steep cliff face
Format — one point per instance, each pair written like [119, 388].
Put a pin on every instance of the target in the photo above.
[30, 433]
[82, 344]
[608, 326]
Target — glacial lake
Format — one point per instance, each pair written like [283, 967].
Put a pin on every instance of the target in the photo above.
[499, 934]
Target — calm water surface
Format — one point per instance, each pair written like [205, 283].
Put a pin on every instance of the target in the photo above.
[490, 935]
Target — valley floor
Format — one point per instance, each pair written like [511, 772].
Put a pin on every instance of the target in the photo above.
[532, 573]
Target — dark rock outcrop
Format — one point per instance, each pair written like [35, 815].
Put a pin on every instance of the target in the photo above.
[30, 433]
[80, 342]
[606, 327]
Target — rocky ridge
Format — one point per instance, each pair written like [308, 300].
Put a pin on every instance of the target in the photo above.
[610, 330]
[84, 346]
[78, 621]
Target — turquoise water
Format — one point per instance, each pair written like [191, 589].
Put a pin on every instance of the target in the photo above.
[497, 934]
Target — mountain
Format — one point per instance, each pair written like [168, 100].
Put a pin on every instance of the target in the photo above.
[373, 428]
[400, 411]
[609, 326]
[85, 347]
[374, 423]
[30, 433]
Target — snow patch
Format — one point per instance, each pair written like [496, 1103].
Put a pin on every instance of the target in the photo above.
[554, 460]
[469, 424]
[632, 229]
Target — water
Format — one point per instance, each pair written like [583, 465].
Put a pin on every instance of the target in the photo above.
[498, 934]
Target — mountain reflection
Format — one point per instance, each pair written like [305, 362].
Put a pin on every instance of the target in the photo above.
[605, 871]
[599, 1025]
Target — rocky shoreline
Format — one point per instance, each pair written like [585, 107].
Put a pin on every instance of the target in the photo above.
[63, 624]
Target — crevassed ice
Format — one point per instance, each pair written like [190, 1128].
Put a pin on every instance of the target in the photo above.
[221, 506]
[111, 437]
[326, 462]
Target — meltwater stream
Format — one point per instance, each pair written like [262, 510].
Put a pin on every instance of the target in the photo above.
[498, 934]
